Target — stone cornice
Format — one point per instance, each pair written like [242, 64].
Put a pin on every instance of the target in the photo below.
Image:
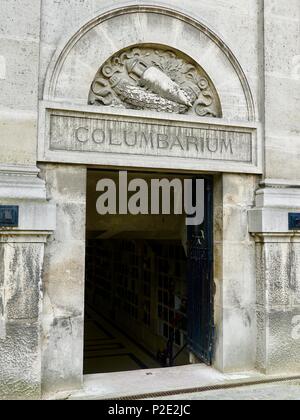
[290, 237]
[21, 182]
[270, 216]
[280, 183]
[14, 236]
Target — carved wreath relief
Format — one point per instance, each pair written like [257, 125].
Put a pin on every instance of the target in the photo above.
[154, 79]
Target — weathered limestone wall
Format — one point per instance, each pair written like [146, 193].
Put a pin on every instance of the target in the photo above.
[282, 89]
[277, 250]
[22, 248]
[19, 75]
[21, 269]
[21, 262]
[278, 297]
[278, 279]
[63, 280]
[278, 276]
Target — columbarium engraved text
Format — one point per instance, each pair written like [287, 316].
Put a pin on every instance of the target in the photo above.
[100, 135]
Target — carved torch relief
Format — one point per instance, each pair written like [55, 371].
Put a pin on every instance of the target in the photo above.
[155, 79]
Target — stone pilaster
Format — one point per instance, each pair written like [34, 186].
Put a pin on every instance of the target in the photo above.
[278, 277]
[63, 308]
[20, 302]
[21, 264]
[235, 318]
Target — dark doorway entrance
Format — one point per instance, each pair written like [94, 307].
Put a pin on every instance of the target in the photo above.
[148, 288]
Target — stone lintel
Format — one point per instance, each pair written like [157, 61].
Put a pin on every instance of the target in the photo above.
[98, 135]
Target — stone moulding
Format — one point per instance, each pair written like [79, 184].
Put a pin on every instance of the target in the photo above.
[69, 43]
[273, 203]
[21, 182]
[128, 138]
[20, 185]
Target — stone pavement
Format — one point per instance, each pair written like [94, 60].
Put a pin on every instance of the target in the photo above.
[150, 383]
[289, 390]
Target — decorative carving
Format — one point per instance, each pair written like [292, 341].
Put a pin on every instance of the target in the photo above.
[155, 79]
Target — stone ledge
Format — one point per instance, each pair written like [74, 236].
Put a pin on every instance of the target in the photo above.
[272, 207]
[283, 197]
[14, 236]
[21, 182]
[21, 186]
[280, 183]
[279, 238]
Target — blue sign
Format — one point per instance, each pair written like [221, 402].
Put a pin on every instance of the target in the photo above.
[294, 221]
[9, 216]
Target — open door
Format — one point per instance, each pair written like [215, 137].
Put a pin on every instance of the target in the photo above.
[200, 282]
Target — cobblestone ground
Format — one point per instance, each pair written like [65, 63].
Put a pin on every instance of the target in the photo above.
[277, 391]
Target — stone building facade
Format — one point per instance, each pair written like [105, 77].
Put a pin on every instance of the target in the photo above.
[64, 109]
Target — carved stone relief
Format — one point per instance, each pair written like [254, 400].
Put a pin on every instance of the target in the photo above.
[156, 79]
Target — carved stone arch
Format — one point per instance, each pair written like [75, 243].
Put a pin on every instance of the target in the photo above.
[77, 60]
